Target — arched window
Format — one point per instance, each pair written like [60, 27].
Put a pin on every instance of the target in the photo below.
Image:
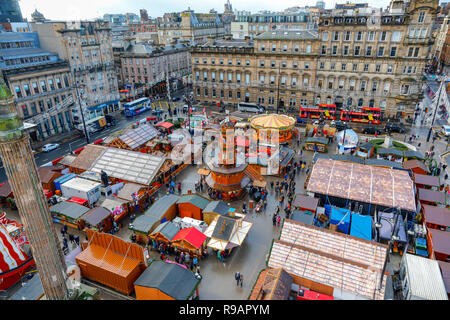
[349, 102]
[360, 102]
[371, 103]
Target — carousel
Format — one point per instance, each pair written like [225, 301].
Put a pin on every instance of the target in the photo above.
[280, 123]
[226, 179]
[15, 252]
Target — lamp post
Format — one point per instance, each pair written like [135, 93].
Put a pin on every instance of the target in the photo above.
[435, 110]
[86, 133]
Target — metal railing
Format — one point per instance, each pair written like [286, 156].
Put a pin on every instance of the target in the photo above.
[52, 111]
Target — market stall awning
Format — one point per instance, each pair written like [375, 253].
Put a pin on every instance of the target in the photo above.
[166, 125]
[431, 196]
[192, 236]
[426, 180]
[259, 183]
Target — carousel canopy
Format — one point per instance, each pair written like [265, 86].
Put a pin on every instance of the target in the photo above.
[11, 255]
[273, 121]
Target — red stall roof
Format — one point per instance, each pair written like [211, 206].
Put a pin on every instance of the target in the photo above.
[431, 196]
[191, 235]
[77, 200]
[437, 215]
[426, 180]
[166, 125]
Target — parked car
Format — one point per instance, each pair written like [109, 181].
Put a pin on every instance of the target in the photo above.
[49, 147]
[372, 130]
[391, 127]
[341, 125]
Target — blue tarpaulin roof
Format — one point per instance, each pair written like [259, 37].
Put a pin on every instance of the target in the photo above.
[361, 226]
[343, 216]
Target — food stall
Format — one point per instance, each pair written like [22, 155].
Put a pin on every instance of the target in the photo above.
[68, 213]
[98, 219]
[165, 232]
[190, 240]
[312, 143]
[118, 208]
[365, 150]
[426, 182]
[431, 197]
[436, 217]
[390, 154]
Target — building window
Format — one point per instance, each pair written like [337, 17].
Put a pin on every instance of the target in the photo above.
[230, 62]
[214, 93]
[294, 65]
[336, 36]
[322, 65]
[383, 35]
[360, 102]
[368, 51]
[347, 36]
[308, 48]
[283, 64]
[389, 69]
[371, 103]
[206, 92]
[26, 87]
[357, 50]
[263, 47]
[238, 95]
[334, 50]
[355, 67]
[230, 94]
[238, 62]
[405, 89]
[221, 61]
[341, 84]
[374, 86]
[35, 88]
[274, 47]
[238, 77]
[377, 68]
[371, 36]
[421, 17]
[332, 66]
[416, 52]
[363, 85]
[349, 102]
[396, 36]
[324, 50]
[330, 84]
[324, 36]
[366, 68]
[262, 63]
[296, 48]
[380, 51]
[284, 47]
[343, 67]
[359, 35]
[352, 85]
[25, 110]
[43, 86]
[393, 51]
[247, 62]
[345, 52]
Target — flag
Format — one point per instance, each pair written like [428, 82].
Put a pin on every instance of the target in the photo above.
[204, 109]
[190, 109]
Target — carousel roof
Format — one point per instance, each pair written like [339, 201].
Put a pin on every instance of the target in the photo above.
[273, 121]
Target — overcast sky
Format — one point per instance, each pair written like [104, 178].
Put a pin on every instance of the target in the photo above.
[88, 9]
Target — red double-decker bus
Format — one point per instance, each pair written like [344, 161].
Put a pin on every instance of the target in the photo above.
[366, 115]
[327, 110]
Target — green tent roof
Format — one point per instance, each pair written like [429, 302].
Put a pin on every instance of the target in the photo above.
[195, 200]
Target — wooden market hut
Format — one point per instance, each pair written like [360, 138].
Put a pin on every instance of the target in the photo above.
[416, 166]
[86, 158]
[431, 197]
[165, 232]
[190, 240]
[365, 150]
[98, 219]
[426, 182]
[166, 281]
[272, 284]
[67, 160]
[69, 213]
[192, 206]
[118, 208]
[47, 177]
[438, 244]
[142, 226]
[111, 261]
[411, 154]
[320, 143]
[164, 209]
[126, 194]
[165, 125]
[305, 203]
[390, 154]
[436, 217]
[214, 209]
[135, 139]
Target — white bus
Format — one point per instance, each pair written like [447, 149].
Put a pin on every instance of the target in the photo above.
[250, 107]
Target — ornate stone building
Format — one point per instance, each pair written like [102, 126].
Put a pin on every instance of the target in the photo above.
[361, 57]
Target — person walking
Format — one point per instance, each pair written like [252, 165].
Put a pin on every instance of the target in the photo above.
[274, 219]
[65, 244]
[71, 239]
[237, 277]
[241, 279]
[195, 261]
[278, 220]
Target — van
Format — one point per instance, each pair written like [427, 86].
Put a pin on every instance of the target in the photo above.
[250, 107]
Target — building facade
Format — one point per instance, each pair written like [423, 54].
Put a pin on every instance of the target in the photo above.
[262, 22]
[275, 66]
[190, 26]
[87, 46]
[360, 58]
[146, 65]
[40, 82]
[10, 11]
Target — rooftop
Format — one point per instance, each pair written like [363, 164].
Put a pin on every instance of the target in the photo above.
[289, 35]
[334, 259]
[369, 184]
